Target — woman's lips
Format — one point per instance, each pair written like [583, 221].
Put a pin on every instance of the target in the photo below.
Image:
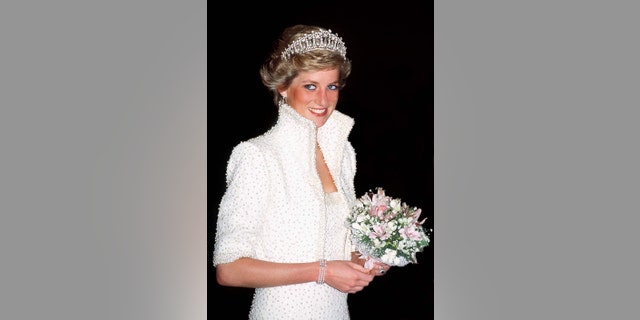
[318, 112]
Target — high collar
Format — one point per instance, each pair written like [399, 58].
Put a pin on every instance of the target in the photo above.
[300, 135]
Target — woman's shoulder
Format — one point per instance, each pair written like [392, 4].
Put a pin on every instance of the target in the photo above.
[256, 146]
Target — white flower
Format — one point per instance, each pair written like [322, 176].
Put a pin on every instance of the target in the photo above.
[395, 205]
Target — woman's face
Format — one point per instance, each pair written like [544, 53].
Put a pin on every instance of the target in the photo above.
[314, 94]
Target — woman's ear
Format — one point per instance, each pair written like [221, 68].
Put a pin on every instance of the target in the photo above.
[283, 92]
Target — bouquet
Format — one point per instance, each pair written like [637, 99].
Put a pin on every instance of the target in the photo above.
[386, 229]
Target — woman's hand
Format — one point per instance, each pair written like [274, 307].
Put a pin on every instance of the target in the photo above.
[347, 276]
[378, 269]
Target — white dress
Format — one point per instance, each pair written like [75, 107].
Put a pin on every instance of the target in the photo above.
[275, 209]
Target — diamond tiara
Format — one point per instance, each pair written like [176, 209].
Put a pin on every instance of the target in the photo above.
[316, 40]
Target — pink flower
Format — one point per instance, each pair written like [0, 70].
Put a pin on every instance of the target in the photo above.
[379, 204]
[378, 210]
[380, 232]
[415, 216]
[410, 232]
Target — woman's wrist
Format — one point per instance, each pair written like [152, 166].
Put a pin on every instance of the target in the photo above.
[322, 271]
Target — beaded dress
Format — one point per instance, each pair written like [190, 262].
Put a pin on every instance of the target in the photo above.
[275, 209]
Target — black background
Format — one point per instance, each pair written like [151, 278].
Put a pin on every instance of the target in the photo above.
[390, 96]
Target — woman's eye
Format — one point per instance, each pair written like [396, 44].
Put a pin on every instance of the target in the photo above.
[333, 87]
[310, 86]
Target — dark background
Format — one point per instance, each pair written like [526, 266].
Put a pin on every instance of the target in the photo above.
[390, 96]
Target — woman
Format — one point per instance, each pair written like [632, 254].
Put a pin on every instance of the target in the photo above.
[281, 221]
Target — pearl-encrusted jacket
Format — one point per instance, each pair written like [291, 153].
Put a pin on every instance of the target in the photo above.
[275, 209]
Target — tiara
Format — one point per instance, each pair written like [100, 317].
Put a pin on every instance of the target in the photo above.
[315, 40]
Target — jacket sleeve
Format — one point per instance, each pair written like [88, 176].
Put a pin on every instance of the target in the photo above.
[239, 212]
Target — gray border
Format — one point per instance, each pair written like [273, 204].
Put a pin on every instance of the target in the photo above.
[536, 159]
[103, 159]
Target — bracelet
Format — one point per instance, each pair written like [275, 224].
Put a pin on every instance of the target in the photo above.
[322, 271]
